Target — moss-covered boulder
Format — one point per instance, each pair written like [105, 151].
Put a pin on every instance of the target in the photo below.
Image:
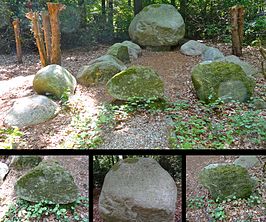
[138, 189]
[119, 51]
[213, 80]
[54, 80]
[136, 81]
[134, 49]
[100, 70]
[47, 181]
[227, 180]
[157, 25]
[24, 162]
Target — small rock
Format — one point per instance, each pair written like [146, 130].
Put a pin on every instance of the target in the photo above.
[212, 54]
[247, 161]
[119, 51]
[134, 50]
[193, 48]
[30, 111]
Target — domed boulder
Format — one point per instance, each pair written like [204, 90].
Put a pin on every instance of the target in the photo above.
[100, 70]
[47, 181]
[119, 51]
[227, 180]
[157, 25]
[138, 189]
[134, 50]
[193, 48]
[136, 81]
[30, 111]
[54, 80]
[212, 54]
[213, 80]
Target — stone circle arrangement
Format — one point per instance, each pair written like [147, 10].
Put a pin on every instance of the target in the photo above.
[156, 27]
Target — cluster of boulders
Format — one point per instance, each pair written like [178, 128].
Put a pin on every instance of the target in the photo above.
[138, 189]
[41, 180]
[227, 180]
[219, 76]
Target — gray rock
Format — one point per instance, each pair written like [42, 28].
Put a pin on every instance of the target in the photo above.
[100, 70]
[247, 68]
[47, 181]
[193, 48]
[134, 50]
[157, 25]
[227, 180]
[138, 189]
[25, 162]
[136, 81]
[213, 80]
[3, 171]
[247, 161]
[54, 80]
[212, 54]
[120, 51]
[30, 111]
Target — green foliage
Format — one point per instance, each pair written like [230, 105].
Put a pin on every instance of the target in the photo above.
[218, 214]
[26, 211]
[253, 200]
[197, 202]
[9, 137]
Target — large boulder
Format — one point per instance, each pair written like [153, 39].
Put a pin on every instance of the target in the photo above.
[134, 49]
[3, 171]
[100, 70]
[227, 180]
[213, 80]
[30, 111]
[157, 25]
[212, 54]
[54, 80]
[138, 189]
[25, 162]
[119, 51]
[193, 48]
[247, 68]
[47, 181]
[136, 81]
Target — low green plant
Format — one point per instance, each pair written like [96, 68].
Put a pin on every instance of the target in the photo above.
[24, 210]
[218, 213]
[8, 137]
[253, 200]
[196, 203]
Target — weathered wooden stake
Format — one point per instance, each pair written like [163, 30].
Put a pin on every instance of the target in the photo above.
[34, 17]
[54, 9]
[16, 26]
[47, 33]
[237, 22]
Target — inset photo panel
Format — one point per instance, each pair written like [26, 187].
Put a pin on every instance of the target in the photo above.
[225, 188]
[44, 188]
[137, 188]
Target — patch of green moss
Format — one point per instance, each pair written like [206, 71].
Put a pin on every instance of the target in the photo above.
[226, 181]
[116, 166]
[131, 160]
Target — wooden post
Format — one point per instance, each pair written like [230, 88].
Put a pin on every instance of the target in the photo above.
[54, 9]
[47, 34]
[237, 22]
[34, 17]
[18, 39]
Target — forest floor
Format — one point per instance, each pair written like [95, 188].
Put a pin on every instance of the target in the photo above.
[139, 130]
[78, 167]
[199, 205]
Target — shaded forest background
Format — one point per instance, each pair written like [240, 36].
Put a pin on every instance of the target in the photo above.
[87, 23]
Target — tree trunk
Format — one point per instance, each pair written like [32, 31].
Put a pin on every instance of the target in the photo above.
[18, 39]
[34, 17]
[54, 9]
[237, 23]
[111, 17]
[47, 33]
[137, 6]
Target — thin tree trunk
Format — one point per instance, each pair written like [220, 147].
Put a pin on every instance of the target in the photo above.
[47, 34]
[18, 39]
[137, 6]
[237, 23]
[111, 16]
[54, 9]
[34, 17]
